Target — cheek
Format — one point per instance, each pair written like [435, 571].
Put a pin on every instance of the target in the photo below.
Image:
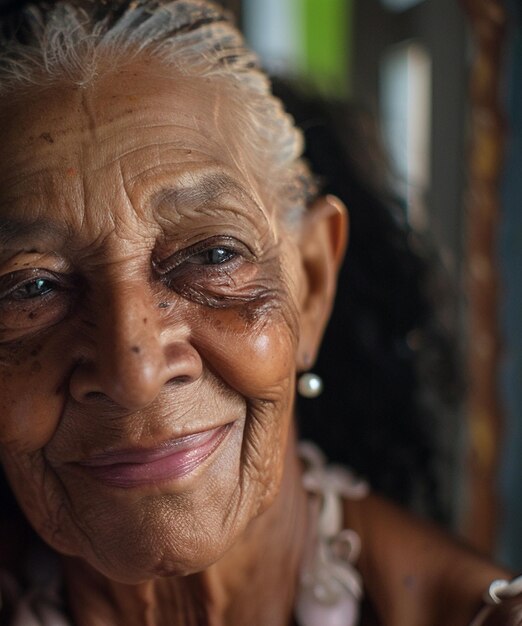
[30, 398]
[255, 357]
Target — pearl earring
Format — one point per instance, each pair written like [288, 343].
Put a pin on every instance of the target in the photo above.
[310, 385]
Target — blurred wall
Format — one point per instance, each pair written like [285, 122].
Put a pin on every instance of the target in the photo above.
[510, 544]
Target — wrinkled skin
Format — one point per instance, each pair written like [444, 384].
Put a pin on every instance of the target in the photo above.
[119, 329]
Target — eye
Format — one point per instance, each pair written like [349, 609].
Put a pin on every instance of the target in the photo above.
[219, 271]
[212, 256]
[33, 289]
[34, 299]
[205, 255]
[30, 285]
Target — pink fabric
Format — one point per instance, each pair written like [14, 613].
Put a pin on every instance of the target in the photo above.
[39, 607]
[330, 588]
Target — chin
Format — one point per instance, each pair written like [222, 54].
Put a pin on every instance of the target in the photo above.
[157, 556]
[164, 536]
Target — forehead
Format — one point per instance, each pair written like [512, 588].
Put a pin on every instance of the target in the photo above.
[139, 95]
[141, 124]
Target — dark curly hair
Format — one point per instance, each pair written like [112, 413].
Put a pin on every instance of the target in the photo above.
[389, 364]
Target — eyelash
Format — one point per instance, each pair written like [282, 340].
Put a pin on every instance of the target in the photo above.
[50, 286]
[233, 251]
[227, 253]
[9, 293]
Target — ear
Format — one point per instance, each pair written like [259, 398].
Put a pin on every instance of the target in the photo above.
[322, 244]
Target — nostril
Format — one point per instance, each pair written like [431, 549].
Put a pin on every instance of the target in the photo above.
[181, 379]
[132, 373]
[95, 396]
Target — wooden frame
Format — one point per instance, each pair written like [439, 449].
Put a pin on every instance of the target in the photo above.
[488, 25]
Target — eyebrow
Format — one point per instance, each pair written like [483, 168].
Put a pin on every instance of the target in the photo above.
[201, 188]
[14, 230]
[192, 187]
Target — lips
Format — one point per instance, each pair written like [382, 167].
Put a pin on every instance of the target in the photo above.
[169, 461]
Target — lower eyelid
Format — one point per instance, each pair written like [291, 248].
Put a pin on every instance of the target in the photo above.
[21, 318]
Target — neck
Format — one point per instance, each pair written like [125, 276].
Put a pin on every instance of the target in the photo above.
[254, 583]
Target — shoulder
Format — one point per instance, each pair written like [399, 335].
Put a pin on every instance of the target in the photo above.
[414, 573]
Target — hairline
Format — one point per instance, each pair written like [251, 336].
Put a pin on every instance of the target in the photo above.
[102, 48]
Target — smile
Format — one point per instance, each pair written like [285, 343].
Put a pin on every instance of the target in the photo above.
[171, 460]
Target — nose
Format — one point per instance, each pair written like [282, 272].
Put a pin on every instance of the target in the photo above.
[133, 354]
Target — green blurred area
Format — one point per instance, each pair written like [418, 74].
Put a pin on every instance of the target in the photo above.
[327, 31]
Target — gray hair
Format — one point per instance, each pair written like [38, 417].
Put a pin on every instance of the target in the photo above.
[77, 40]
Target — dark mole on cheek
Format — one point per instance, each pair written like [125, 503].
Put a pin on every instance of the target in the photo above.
[136, 349]
[47, 137]
[145, 320]
[36, 367]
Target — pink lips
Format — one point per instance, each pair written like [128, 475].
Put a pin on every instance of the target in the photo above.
[173, 459]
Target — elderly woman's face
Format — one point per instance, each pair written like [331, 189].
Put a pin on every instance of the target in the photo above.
[150, 306]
